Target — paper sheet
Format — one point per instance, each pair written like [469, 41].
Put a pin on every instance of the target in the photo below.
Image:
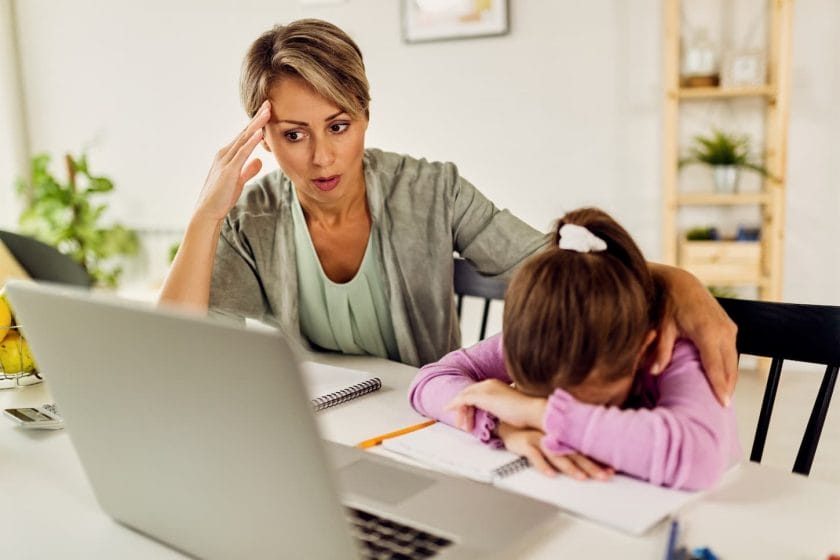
[622, 502]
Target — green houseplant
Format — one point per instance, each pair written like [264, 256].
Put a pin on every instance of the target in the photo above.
[727, 154]
[69, 215]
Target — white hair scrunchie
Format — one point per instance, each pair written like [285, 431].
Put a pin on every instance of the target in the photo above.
[577, 238]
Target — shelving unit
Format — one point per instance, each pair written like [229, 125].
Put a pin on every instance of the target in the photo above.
[723, 263]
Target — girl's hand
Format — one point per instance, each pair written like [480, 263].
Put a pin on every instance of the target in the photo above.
[228, 174]
[502, 401]
[693, 312]
[526, 442]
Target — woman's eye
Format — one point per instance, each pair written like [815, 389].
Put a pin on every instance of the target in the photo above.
[338, 128]
[293, 135]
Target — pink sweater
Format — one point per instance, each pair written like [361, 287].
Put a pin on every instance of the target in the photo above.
[671, 431]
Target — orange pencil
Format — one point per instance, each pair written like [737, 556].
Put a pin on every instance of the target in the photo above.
[374, 441]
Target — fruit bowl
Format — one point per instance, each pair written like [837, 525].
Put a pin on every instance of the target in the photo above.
[17, 369]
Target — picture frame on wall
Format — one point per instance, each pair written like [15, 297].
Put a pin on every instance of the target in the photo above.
[438, 20]
[744, 69]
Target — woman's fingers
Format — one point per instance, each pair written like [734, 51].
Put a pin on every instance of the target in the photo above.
[246, 150]
[720, 360]
[664, 345]
[250, 171]
[257, 123]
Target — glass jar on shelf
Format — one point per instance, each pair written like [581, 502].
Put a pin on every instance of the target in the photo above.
[699, 66]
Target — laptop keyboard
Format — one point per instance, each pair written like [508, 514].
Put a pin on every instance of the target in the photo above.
[385, 539]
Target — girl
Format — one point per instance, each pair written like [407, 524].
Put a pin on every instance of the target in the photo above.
[580, 318]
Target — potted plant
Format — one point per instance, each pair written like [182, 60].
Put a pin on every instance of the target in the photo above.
[68, 216]
[727, 154]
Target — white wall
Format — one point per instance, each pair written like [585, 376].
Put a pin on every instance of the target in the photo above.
[13, 135]
[563, 111]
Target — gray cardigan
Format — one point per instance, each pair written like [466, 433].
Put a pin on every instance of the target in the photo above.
[422, 211]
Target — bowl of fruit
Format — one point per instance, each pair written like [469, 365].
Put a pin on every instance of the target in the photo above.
[17, 367]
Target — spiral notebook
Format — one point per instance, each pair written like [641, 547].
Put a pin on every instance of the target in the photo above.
[623, 502]
[449, 450]
[330, 385]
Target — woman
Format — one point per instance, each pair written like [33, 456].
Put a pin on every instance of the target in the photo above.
[353, 247]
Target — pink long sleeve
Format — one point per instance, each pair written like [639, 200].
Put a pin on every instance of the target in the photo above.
[438, 383]
[686, 440]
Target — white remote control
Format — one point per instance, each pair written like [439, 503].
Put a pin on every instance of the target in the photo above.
[44, 417]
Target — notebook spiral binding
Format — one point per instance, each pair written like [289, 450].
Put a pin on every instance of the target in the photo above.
[512, 467]
[348, 394]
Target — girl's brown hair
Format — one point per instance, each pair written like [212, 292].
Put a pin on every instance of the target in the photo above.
[316, 51]
[568, 312]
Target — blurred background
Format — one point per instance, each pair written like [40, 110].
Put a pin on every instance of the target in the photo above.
[564, 109]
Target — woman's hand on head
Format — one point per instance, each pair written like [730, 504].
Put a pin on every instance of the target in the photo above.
[693, 312]
[502, 401]
[526, 442]
[229, 172]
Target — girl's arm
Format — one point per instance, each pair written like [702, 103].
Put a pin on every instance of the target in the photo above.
[686, 441]
[436, 384]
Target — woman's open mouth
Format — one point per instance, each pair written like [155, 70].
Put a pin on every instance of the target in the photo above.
[327, 183]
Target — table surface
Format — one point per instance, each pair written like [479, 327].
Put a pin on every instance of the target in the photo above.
[49, 510]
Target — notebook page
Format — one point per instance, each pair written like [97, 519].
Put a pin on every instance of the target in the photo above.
[323, 379]
[624, 503]
[448, 449]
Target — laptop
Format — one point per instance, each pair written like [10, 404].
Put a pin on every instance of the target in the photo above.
[200, 434]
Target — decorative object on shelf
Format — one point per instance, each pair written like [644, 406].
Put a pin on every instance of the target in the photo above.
[702, 233]
[68, 217]
[744, 68]
[432, 20]
[699, 61]
[747, 233]
[727, 154]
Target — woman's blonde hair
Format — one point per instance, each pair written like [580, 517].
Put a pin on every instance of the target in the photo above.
[316, 51]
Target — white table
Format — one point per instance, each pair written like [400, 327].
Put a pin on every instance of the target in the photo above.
[48, 511]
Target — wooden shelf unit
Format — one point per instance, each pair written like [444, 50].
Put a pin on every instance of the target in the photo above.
[771, 199]
[712, 198]
[724, 93]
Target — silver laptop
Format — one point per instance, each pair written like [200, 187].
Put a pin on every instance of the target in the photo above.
[200, 435]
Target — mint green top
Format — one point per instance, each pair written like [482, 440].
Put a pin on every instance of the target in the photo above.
[421, 212]
[353, 317]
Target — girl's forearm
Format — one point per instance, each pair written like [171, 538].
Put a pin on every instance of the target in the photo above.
[188, 281]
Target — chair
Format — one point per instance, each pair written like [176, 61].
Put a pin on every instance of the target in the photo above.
[787, 331]
[44, 262]
[469, 282]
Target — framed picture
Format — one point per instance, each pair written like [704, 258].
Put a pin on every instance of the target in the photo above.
[744, 68]
[434, 20]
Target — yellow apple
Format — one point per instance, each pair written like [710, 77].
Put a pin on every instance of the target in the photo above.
[5, 316]
[15, 355]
